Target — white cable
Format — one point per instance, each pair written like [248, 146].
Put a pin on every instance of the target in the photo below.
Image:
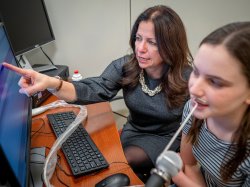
[180, 128]
[51, 159]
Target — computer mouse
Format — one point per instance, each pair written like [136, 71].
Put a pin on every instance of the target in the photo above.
[115, 180]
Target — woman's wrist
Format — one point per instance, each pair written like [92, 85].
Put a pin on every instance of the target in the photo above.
[56, 85]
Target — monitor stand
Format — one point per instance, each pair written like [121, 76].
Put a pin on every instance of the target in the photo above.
[41, 68]
[24, 63]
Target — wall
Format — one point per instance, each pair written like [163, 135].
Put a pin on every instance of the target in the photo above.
[200, 17]
[90, 34]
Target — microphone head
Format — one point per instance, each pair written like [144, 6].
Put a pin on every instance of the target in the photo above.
[169, 162]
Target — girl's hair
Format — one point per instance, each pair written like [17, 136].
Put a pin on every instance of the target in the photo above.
[173, 48]
[235, 37]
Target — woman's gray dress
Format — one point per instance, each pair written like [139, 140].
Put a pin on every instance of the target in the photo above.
[150, 124]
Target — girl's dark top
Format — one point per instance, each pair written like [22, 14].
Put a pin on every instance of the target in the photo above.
[150, 124]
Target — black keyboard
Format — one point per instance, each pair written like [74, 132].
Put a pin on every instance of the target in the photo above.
[82, 154]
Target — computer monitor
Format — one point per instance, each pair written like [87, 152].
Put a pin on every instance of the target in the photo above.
[27, 24]
[15, 122]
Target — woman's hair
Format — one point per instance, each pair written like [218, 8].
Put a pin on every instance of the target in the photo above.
[235, 37]
[173, 48]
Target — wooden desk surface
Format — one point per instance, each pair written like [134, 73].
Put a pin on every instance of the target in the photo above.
[101, 126]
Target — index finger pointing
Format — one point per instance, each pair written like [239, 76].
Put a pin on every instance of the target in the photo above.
[14, 68]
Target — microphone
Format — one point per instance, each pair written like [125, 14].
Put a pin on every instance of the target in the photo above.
[167, 166]
[168, 163]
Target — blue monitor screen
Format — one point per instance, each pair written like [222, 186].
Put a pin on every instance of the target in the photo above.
[15, 118]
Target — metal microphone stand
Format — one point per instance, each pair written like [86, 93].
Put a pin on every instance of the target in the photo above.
[169, 163]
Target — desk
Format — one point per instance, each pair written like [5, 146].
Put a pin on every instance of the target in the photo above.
[101, 126]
